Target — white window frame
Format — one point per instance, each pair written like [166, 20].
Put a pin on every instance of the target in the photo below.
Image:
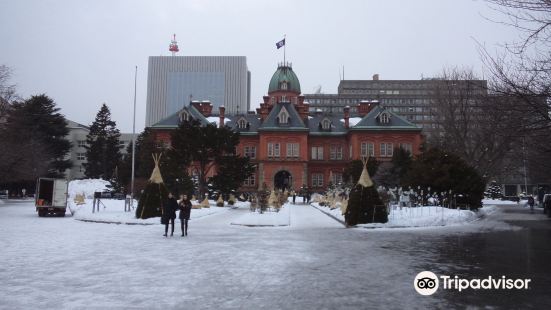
[367, 148]
[250, 151]
[317, 179]
[336, 178]
[292, 150]
[335, 152]
[326, 124]
[317, 152]
[242, 123]
[274, 150]
[81, 156]
[81, 143]
[283, 116]
[250, 181]
[387, 149]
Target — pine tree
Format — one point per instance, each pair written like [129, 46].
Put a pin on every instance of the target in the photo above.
[103, 148]
[364, 204]
[494, 191]
[36, 133]
[442, 172]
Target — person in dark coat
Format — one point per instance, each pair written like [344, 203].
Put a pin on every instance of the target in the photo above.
[169, 213]
[185, 212]
[531, 203]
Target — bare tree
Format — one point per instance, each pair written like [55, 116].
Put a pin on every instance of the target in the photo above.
[468, 125]
[7, 90]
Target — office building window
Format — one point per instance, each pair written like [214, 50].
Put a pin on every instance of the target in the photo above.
[250, 151]
[81, 156]
[273, 150]
[317, 180]
[317, 153]
[292, 150]
[368, 149]
[81, 143]
[387, 149]
[336, 152]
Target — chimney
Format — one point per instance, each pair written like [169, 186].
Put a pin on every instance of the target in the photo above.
[346, 117]
[366, 106]
[376, 77]
[204, 107]
[222, 110]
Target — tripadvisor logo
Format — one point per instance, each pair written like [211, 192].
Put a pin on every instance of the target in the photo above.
[427, 283]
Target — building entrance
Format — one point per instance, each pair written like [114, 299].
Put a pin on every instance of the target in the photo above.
[283, 180]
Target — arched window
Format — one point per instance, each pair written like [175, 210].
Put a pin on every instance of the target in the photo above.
[326, 124]
[284, 85]
[283, 116]
[184, 116]
[242, 123]
[384, 118]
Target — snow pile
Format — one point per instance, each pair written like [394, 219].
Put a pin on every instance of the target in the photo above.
[255, 219]
[352, 121]
[88, 187]
[418, 217]
[487, 202]
[112, 211]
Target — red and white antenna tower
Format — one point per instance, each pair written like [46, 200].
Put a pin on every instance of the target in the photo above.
[173, 47]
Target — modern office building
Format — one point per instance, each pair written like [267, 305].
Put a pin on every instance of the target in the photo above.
[174, 81]
[412, 99]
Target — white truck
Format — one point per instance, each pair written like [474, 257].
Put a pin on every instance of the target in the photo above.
[51, 196]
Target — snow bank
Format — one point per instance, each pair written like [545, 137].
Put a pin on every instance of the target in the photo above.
[281, 218]
[112, 211]
[88, 187]
[418, 217]
[487, 202]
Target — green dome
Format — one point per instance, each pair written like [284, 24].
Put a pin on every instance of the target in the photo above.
[284, 75]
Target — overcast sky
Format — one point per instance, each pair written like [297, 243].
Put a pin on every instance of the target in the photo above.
[83, 53]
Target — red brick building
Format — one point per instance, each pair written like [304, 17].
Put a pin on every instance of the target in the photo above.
[292, 147]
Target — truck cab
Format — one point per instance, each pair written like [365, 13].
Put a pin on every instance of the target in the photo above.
[51, 196]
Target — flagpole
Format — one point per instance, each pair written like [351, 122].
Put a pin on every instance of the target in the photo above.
[133, 142]
[284, 47]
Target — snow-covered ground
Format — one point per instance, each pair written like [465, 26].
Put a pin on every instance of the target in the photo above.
[417, 217]
[112, 211]
[315, 262]
[488, 202]
[87, 187]
[270, 218]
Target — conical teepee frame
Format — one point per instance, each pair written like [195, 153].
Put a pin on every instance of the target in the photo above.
[365, 180]
[156, 174]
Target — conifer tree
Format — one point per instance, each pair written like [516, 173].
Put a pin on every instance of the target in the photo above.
[153, 195]
[365, 205]
[103, 148]
[494, 191]
[36, 133]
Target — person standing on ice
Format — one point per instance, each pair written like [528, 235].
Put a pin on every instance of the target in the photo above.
[169, 213]
[185, 212]
[294, 194]
[531, 203]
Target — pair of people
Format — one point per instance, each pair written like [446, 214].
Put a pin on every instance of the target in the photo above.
[169, 213]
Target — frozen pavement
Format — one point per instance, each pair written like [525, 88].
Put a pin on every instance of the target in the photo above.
[315, 263]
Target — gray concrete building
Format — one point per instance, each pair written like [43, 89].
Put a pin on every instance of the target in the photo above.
[77, 137]
[409, 98]
[174, 81]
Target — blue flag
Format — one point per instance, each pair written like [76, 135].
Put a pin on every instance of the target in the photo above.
[280, 43]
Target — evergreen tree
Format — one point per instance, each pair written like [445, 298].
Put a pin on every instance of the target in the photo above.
[401, 163]
[232, 172]
[442, 171]
[103, 148]
[35, 133]
[364, 204]
[205, 145]
[155, 193]
[493, 191]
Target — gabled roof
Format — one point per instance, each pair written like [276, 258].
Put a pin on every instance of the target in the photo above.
[173, 121]
[295, 123]
[396, 122]
[337, 127]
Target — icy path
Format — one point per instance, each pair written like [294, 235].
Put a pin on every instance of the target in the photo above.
[60, 263]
